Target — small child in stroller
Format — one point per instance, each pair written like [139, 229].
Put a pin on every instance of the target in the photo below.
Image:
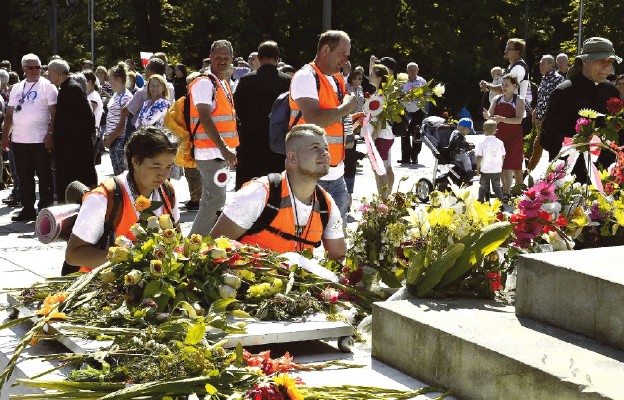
[461, 149]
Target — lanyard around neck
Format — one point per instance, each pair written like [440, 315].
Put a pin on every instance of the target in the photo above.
[24, 96]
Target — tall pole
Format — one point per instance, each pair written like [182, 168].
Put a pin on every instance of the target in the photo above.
[327, 6]
[526, 21]
[53, 25]
[91, 6]
[580, 29]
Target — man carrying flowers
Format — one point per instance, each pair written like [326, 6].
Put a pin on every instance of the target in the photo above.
[150, 155]
[304, 216]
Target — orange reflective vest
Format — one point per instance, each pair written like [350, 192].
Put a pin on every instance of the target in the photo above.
[223, 115]
[126, 214]
[280, 234]
[328, 99]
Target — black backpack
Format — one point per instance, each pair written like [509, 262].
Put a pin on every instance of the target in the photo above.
[279, 119]
[272, 207]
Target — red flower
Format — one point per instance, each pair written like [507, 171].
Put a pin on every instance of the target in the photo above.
[614, 105]
[374, 105]
[269, 392]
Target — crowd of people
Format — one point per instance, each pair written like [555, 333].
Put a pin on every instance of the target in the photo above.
[57, 123]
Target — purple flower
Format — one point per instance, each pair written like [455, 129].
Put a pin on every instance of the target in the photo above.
[595, 214]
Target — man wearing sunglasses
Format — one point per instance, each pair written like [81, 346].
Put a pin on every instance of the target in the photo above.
[28, 126]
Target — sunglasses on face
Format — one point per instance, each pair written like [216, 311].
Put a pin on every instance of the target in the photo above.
[33, 68]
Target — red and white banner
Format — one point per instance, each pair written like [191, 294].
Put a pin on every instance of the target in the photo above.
[373, 154]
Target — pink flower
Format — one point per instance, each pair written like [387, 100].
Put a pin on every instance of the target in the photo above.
[330, 295]
[542, 191]
[580, 122]
[382, 208]
[530, 208]
[364, 208]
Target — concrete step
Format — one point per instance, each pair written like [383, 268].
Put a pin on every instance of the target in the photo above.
[580, 291]
[482, 350]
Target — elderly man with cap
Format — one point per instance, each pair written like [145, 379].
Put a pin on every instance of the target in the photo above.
[586, 86]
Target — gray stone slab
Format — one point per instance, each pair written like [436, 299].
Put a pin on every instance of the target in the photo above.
[580, 291]
[482, 350]
[42, 261]
[26, 367]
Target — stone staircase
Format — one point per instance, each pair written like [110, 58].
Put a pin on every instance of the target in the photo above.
[563, 339]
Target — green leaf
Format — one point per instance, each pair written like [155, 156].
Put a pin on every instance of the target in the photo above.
[168, 289]
[415, 267]
[16, 321]
[151, 289]
[211, 389]
[489, 239]
[195, 333]
[389, 278]
[220, 305]
[438, 267]
[240, 314]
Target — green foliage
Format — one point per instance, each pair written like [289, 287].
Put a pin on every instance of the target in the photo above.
[456, 42]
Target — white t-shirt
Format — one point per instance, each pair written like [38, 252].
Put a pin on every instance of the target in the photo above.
[519, 72]
[31, 122]
[115, 105]
[202, 92]
[249, 202]
[99, 107]
[492, 150]
[303, 84]
[89, 225]
[409, 85]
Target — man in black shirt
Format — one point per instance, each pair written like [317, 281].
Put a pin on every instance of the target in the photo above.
[586, 86]
[253, 99]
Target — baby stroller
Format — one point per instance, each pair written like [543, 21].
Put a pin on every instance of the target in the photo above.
[436, 134]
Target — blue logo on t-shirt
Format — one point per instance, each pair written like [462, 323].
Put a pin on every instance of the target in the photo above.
[30, 97]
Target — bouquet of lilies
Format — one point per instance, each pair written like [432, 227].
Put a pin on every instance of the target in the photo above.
[454, 242]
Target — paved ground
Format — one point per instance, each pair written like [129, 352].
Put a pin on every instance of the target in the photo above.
[24, 260]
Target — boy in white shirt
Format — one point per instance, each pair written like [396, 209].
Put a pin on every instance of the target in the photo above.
[490, 155]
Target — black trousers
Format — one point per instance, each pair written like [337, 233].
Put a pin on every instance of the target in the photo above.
[31, 159]
[410, 146]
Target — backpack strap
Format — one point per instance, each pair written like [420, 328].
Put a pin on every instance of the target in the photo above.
[272, 208]
[114, 211]
[167, 194]
[187, 106]
[323, 206]
[318, 89]
[272, 205]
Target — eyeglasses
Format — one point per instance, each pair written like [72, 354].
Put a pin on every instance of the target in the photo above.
[33, 68]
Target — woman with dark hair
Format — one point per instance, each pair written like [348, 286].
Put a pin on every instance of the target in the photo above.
[507, 110]
[179, 80]
[354, 86]
[150, 154]
[93, 95]
[121, 96]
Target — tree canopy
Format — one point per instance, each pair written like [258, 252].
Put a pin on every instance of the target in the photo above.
[453, 41]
